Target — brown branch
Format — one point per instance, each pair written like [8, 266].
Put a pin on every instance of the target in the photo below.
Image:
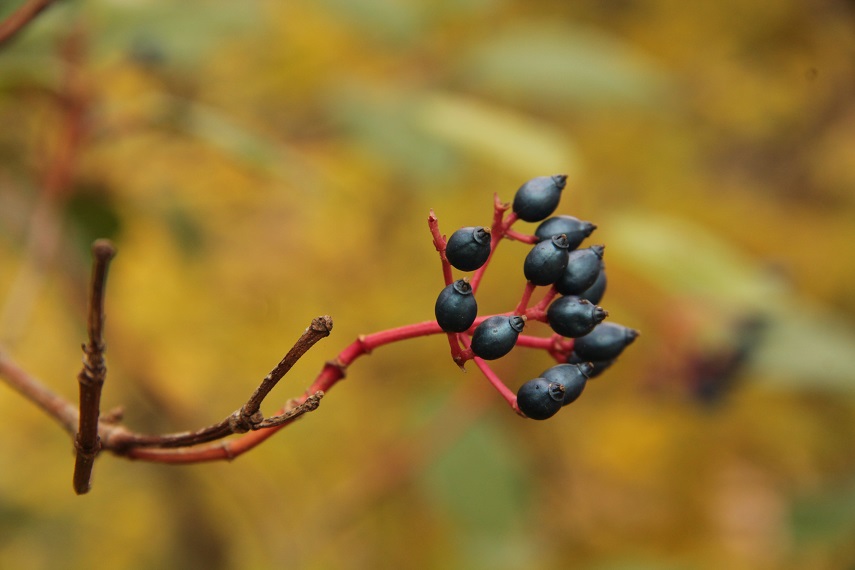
[320, 328]
[95, 434]
[21, 17]
[248, 418]
[94, 372]
[294, 411]
[121, 441]
[57, 407]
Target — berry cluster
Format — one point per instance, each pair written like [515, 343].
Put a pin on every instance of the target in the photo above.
[582, 344]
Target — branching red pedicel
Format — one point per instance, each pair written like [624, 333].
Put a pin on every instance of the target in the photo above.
[552, 262]
[581, 345]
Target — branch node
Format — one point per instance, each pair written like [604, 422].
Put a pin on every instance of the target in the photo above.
[238, 423]
[362, 344]
[338, 365]
[86, 449]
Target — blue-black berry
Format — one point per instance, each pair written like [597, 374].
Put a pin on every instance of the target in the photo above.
[456, 308]
[583, 266]
[468, 248]
[605, 342]
[496, 336]
[598, 366]
[546, 261]
[540, 399]
[538, 198]
[572, 377]
[573, 228]
[595, 292]
[574, 317]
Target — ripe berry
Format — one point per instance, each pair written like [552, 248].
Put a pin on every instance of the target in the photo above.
[575, 229]
[455, 307]
[546, 261]
[468, 248]
[539, 399]
[538, 198]
[595, 292]
[496, 336]
[598, 366]
[574, 317]
[605, 342]
[583, 266]
[572, 377]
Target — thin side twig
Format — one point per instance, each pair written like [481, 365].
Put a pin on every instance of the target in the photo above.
[320, 328]
[94, 372]
[439, 242]
[247, 418]
[310, 404]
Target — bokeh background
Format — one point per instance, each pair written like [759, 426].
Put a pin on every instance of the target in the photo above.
[261, 163]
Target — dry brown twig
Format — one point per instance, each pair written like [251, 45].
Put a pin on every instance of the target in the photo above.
[94, 372]
[94, 434]
[18, 19]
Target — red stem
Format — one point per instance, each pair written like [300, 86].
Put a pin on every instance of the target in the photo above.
[517, 236]
[526, 297]
[335, 370]
[497, 383]
[332, 372]
[439, 242]
[498, 229]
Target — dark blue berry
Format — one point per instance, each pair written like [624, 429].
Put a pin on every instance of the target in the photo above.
[595, 292]
[468, 248]
[538, 198]
[540, 399]
[574, 317]
[583, 267]
[571, 376]
[573, 228]
[496, 336]
[546, 261]
[605, 342]
[455, 307]
[599, 366]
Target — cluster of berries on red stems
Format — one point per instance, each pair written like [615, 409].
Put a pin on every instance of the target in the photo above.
[582, 344]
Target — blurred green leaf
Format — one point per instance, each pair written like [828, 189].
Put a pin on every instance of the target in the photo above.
[185, 229]
[682, 257]
[805, 345]
[507, 138]
[381, 117]
[547, 63]
[93, 215]
[826, 516]
[183, 32]
[479, 481]
[390, 20]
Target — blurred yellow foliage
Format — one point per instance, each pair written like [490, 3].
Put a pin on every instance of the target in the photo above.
[262, 163]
